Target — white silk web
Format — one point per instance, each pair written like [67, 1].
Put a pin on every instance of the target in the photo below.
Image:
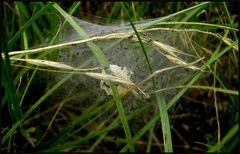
[172, 54]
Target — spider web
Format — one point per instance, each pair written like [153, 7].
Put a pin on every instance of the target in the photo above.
[125, 52]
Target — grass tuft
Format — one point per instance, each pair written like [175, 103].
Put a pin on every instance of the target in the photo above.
[44, 103]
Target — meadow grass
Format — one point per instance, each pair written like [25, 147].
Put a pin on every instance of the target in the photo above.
[88, 130]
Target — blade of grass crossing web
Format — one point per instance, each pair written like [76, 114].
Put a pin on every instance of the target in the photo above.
[103, 60]
[71, 10]
[159, 98]
[95, 49]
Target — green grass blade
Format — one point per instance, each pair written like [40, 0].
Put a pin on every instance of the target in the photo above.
[159, 98]
[142, 131]
[123, 118]
[27, 86]
[97, 142]
[150, 139]
[166, 129]
[74, 7]
[13, 103]
[229, 146]
[227, 137]
[234, 33]
[230, 20]
[178, 13]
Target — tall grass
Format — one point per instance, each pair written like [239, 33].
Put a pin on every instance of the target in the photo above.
[87, 130]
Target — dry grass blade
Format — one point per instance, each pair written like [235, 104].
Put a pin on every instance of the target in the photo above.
[116, 77]
[106, 77]
[166, 69]
[100, 76]
[182, 62]
[125, 36]
[104, 37]
[47, 63]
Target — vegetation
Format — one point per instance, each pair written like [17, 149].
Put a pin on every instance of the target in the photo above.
[36, 116]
